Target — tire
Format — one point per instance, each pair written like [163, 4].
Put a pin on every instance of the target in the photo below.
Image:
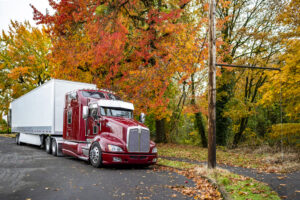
[18, 139]
[95, 156]
[54, 147]
[48, 144]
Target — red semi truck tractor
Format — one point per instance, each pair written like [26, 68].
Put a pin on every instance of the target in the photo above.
[79, 120]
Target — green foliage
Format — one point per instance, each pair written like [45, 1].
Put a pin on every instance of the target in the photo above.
[186, 132]
[3, 126]
[3, 122]
[102, 10]
[150, 123]
[4, 131]
[224, 94]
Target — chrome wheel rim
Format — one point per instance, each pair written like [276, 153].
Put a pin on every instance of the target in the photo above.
[95, 154]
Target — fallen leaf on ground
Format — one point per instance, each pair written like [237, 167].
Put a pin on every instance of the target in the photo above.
[281, 177]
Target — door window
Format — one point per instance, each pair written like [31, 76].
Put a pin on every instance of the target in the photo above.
[69, 116]
[95, 130]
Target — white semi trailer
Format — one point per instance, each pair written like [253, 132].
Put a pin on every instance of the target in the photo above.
[39, 113]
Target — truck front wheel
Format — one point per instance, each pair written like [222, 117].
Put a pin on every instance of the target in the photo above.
[95, 155]
[48, 145]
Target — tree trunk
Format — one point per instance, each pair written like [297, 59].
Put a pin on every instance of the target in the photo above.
[238, 135]
[160, 126]
[201, 128]
[250, 95]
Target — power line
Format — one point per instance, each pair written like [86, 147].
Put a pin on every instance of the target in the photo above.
[245, 66]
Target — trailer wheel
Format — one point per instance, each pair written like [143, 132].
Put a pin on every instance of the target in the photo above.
[54, 147]
[48, 144]
[95, 155]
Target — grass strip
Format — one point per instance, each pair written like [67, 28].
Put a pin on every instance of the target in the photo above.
[10, 135]
[261, 159]
[236, 186]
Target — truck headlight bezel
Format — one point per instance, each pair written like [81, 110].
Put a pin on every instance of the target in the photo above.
[154, 150]
[114, 148]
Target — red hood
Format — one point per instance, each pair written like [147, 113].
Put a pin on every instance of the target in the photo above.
[124, 122]
[118, 126]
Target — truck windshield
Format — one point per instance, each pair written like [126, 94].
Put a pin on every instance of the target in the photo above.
[113, 97]
[96, 95]
[116, 112]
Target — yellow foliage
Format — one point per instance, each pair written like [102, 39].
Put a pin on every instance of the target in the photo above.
[289, 133]
[287, 82]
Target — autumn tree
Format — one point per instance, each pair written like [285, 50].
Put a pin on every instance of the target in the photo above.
[23, 61]
[249, 33]
[122, 45]
[190, 55]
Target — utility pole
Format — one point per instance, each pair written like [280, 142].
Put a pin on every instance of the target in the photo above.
[212, 87]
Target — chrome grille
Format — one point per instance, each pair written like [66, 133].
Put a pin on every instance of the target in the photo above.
[133, 143]
[144, 141]
[138, 140]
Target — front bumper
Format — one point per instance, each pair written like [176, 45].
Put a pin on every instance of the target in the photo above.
[114, 158]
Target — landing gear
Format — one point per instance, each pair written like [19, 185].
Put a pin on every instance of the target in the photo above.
[48, 144]
[18, 139]
[95, 155]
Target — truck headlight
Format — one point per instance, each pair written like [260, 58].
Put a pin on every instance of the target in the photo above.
[154, 150]
[114, 148]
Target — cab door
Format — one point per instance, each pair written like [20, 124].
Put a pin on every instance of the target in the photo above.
[93, 122]
[72, 117]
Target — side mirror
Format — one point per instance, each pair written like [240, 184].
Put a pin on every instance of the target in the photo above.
[142, 118]
[73, 95]
[85, 112]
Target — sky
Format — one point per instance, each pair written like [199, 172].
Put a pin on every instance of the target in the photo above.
[20, 10]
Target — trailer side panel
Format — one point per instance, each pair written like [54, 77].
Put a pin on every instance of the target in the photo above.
[32, 113]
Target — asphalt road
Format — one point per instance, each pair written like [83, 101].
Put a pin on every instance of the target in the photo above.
[28, 172]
